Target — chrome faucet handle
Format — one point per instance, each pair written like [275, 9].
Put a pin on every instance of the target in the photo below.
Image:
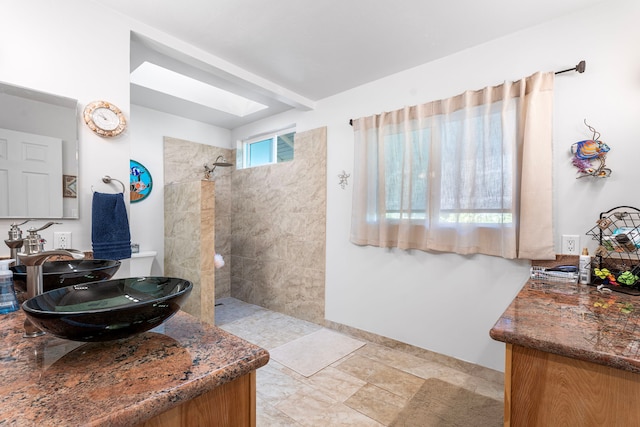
[15, 240]
[34, 230]
[33, 243]
[15, 233]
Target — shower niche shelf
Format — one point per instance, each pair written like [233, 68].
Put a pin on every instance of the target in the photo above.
[617, 232]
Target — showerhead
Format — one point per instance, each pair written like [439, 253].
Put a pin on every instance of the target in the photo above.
[220, 161]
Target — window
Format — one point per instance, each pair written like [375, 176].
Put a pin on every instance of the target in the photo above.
[260, 152]
[268, 149]
[475, 183]
[477, 175]
[416, 193]
[469, 174]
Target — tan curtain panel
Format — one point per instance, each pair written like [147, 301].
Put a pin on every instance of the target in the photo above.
[468, 174]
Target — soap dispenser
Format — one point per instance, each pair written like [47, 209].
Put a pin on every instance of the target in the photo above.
[8, 300]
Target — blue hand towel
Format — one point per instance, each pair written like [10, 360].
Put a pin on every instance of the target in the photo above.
[110, 233]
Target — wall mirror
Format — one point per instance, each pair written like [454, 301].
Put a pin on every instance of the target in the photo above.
[38, 154]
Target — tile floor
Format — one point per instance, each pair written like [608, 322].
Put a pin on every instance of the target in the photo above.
[367, 387]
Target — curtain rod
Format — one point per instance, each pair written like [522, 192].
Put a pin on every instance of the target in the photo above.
[579, 68]
[582, 65]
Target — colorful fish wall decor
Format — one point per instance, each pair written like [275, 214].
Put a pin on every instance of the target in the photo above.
[589, 156]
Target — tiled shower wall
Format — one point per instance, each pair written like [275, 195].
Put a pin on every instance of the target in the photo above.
[278, 229]
[270, 223]
[189, 242]
[184, 162]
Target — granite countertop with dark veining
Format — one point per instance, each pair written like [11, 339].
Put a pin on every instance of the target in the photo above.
[47, 381]
[575, 321]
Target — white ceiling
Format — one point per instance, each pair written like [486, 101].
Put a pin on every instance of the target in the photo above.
[313, 49]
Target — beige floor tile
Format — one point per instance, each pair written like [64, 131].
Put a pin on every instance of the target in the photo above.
[381, 375]
[389, 356]
[367, 387]
[400, 360]
[274, 386]
[347, 357]
[269, 329]
[335, 383]
[478, 385]
[359, 366]
[230, 309]
[398, 382]
[379, 404]
[287, 371]
[318, 410]
[315, 351]
[268, 416]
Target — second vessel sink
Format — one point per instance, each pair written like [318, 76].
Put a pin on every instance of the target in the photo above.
[57, 274]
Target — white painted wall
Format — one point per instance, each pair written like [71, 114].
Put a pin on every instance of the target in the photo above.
[442, 302]
[87, 58]
[448, 303]
[69, 48]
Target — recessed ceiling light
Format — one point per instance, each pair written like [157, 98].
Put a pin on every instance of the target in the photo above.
[175, 84]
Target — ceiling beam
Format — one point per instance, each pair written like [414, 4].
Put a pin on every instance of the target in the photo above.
[198, 58]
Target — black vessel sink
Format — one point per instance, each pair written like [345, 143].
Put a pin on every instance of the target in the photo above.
[57, 274]
[109, 310]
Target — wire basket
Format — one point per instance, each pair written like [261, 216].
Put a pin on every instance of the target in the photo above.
[549, 275]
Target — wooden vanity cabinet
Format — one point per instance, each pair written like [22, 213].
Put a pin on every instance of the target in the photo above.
[545, 389]
[230, 405]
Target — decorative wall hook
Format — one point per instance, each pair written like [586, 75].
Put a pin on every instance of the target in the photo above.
[589, 156]
[343, 179]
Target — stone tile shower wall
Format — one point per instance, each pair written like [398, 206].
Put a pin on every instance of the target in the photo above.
[278, 229]
[184, 162]
[189, 231]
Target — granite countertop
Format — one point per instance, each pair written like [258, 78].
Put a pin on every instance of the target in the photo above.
[47, 381]
[575, 321]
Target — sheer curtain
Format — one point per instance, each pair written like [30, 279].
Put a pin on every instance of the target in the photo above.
[468, 174]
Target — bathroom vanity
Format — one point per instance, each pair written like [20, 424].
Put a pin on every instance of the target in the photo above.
[185, 373]
[572, 356]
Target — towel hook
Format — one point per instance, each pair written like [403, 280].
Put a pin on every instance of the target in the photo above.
[107, 180]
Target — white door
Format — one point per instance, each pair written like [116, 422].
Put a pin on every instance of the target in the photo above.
[30, 175]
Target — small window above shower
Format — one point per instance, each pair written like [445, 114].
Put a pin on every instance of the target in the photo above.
[266, 149]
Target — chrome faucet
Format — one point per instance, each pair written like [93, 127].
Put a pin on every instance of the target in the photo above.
[33, 257]
[15, 241]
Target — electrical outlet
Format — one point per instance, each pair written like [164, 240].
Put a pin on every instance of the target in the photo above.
[62, 239]
[570, 244]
